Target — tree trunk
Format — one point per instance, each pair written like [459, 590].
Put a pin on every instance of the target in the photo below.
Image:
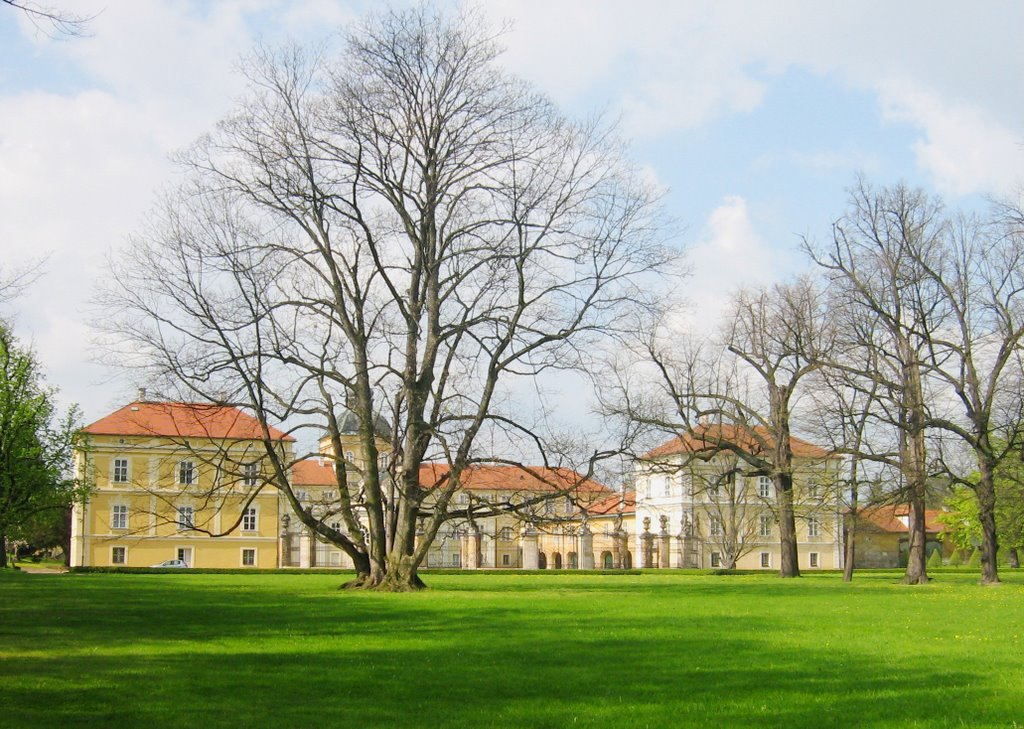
[913, 465]
[985, 491]
[789, 565]
[850, 548]
[1012, 558]
[3, 550]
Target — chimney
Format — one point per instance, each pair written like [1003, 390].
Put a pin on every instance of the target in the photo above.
[142, 394]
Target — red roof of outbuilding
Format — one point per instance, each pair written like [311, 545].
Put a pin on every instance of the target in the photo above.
[182, 420]
[751, 439]
[887, 518]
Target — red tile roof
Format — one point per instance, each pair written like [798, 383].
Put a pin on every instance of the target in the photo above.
[512, 478]
[314, 472]
[887, 518]
[755, 440]
[610, 505]
[182, 420]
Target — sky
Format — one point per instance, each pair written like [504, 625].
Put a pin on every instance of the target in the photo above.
[754, 116]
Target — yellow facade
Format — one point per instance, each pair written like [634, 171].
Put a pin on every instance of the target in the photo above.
[162, 498]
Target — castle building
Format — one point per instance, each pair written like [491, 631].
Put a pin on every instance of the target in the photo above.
[193, 482]
[701, 506]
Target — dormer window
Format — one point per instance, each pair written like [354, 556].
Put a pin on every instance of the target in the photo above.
[250, 474]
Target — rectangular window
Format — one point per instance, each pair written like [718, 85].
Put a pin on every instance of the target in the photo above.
[456, 560]
[186, 473]
[301, 495]
[120, 470]
[813, 526]
[667, 487]
[248, 557]
[715, 526]
[249, 520]
[814, 559]
[766, 559]
[118, 555]
[716, 559]
[186, 517]
[505, 561]
[119, 517]
[765, 526]
[764, 487]
[330, 495]
[250, 472]
[812, 489]
[549, 507]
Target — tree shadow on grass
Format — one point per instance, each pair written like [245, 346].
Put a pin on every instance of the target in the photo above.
[217, 652]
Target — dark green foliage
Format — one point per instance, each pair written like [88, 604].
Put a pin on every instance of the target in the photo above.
[936, 559]
[956, 559]
[36, 447]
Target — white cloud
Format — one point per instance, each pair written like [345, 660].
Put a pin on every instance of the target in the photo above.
[951, 70]
[963, 149]
[729, 255]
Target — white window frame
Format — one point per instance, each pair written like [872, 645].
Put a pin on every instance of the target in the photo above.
[189, 468]
[456, 560]
[813, 527]
[813, 559]
[124, 555]
[255, 556]
[118, 516]
[186, 518]
[716, 559]
[250, 473]
[115, 470]
[764, 487]
[505, 534]
[715, 526]
[764, 527]
[667, 486]
[250, 519]
[766, 560]
[812, 489]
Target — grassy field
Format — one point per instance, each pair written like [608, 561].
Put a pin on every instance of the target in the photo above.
[656, 650]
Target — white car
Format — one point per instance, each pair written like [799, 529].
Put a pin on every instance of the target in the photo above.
[173, 563]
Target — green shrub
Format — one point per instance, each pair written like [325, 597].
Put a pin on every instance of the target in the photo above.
[975, 560]
[956, 559]
[936, 559]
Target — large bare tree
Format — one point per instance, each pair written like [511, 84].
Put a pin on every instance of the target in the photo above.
[744, 385]
[406, 231]
[974, 360]
[874, 262]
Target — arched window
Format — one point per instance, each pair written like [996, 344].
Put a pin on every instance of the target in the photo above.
[606, 560]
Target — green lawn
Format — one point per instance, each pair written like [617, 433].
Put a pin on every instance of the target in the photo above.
[658, 650]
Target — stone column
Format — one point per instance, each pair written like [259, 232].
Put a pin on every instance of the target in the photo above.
[284, 547]
[305, 549]
[665, 545]
[472, 549]
[586, 558]
[647, 544]
[617, 551]
[528, 538]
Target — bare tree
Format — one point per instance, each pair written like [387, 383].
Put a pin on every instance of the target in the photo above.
[745, 389]
[974, 361]
[407, 232]
[874, 261]
[51, 20]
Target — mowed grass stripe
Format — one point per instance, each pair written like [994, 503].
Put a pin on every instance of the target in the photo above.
[658, 649]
